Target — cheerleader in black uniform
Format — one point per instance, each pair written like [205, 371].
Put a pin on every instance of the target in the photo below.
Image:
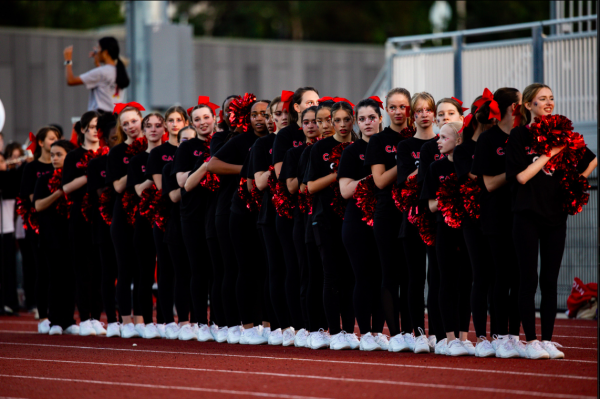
[381, 158]
[477, 245]
[328, 208]
[539, 219]
[358, 236]
[40, 166]
[96, 187]
[88, 271]
[129, 128]
[228, 163]
[52, 210]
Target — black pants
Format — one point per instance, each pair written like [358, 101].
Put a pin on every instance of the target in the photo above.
[394, 271]
[298, 237]
[415, 251]
[122, 237]
[194, 239]
[277, 273]
[455, 278]
[338, 278]
[145, 253]
[230, 272]
[42, 279]
[108, 261]
[359, 241]
[528, 233]
[181, 265]
[8, 283]
[88, 270]
[217, 314]
[314, 294]
[293, 281]
[166, 275]
[61, 284]
[480, 256]
[434, 313]
[28, 263]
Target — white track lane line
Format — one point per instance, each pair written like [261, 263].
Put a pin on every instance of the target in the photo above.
[196, 389]
[409, 384]
[314, 360]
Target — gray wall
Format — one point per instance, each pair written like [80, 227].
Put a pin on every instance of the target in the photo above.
[34, 92]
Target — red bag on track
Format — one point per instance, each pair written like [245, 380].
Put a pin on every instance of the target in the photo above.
[581, 294]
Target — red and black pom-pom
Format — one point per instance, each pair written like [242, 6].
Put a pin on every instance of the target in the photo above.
[63, 205]
[257, 195]
[338, 203]
[450, 202]
[407, 196]
[470, 191]
[105, 205]
[408, 132]
[283, 200]
[211, 182]
[239, 111]
[336, 155]
[87, 209]
[425, 224]
[245, 195]
[138, 146]
[89, 155]
[26, 210]
[130, 204]
[550, 131]
[147, 203]
[365, 198]
[575, 192]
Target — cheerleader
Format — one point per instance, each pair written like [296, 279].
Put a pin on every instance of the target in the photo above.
[358, 236]
[338, 281]
[539, 219]
[97, 188]
[88, 271]
[477, 245]
[40, 166]
[496, 215]
[129, 128]
[454, 267]
[51, 207]
[381, 158]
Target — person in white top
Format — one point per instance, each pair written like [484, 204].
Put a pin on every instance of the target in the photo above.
[106, 81]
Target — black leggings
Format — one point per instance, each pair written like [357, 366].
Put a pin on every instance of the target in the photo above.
[434, 313]
[252, 271]
[42, 278]
[527, 234]
[455, 278]
[479, 255]
[506, 285]
[298, 237]
[230, 271]
[181, 264]
[277, 272]
[145, 253]
[108, 260]
[285, 231]
[386, 226]
[166, 275]
[61, 283]
[338, 279]
[88, 270]
[194, 239]
[217, 315]
[8, 277]
[360, 244]
[28, 264]
[415, 251]
[314, 294]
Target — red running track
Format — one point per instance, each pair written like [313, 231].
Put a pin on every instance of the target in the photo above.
[42, 366]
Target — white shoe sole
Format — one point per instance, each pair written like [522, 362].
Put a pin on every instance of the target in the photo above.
[205, 339]
[421, 350]
[113, 335]
[491, 354]
[374, 349]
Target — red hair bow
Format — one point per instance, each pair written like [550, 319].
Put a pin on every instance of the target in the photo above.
[466, 122]
[120, 106]
[221, 116]
[377, 100]
[33, 146]
[206, 101]
[338, 99]
[286, 99]
[494, 108]
[461, 103]
[320, 100]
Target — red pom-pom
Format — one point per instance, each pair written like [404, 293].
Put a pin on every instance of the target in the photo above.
[89, 155]
[408, 132]
[470, 192]
[407, 196]
[245, 195]
[239, 111]
[139, 145]
[26, 210]
[147, 203]
[63, 205]
[450, 202]
[365, 198]
[130, 205]
[211, 182]
[336, 155]
[86, 208]
[575, 192]
[105, 204]
[305, 200]
[257, 195]
[283, 200]
[425, 224]
[338, 203]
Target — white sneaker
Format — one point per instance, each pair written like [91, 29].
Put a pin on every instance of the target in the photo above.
[300, 338]
[432, 341]
[233, 335]
[129, 331]
[368, 343]
[140, 327]
[214, 330]
[440, 347]
[266, 331]
[44, 327]
[86, 328]
[222, 334]
[456, 348]
[410, 341]
[276, 337]
[289, 334]
[162, 330]
[550, 347]
[518, 345]
[73, 329]
[55, 330]
[484, 349]
[98, 327]
[505, 348]
[353, 341]
[468, 345]
[172, 331]
[421, 343]
[397, 344]
[535, 350]
[186, 333]
[204, 333]
[383, 341]
[151, 332]
[338, 342]
[319, 339]
[253, 336]
[113, 330]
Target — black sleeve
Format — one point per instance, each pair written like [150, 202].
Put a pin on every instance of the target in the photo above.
[28, 180]
[463, 161]
[94, 174]
[169, 180]
[281, 145]
[375, 153]
[482, 163]
[316, 168]
[404, 161]
[426, 158]
[41, 189]
[114, 166]
[588, 156]
[516, 154]
[135, 173]
[289, 169]
[261, 159]
[348, 166]
[184, 158]
[230, 152]
[154, 164]
[430, 185]
[70, 171]
[217, 142]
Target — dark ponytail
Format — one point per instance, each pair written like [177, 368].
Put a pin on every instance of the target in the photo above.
[505, 97]
[111, 45]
